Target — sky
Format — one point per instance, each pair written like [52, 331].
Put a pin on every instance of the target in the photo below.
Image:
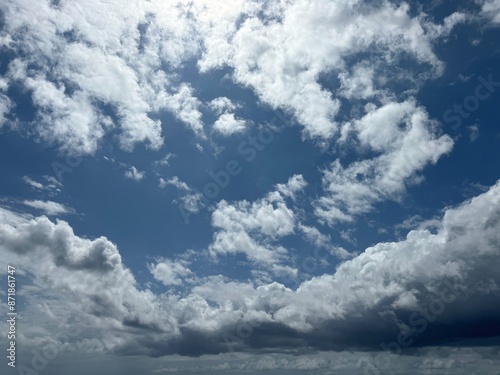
[249, 186]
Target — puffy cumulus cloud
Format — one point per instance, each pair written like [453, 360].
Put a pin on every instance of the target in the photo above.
[359, 83]
[76, 59]
[193, 201]
[97, 67]
[405, 140]
[48, 207]
[228, 124]
[185, 106]
[284, 66]
[431, 287]
[295, 184]
[59, 245]
[71, 121]
[394, 278]
[251, 228]
[217, 23]
[76, 280]
[222, 104]
[169, 272]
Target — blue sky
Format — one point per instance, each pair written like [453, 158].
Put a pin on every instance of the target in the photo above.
[249, 186]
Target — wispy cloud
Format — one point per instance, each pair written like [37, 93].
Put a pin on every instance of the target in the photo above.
[51, 185]
[48, 207]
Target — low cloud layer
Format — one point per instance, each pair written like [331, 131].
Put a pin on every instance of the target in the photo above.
[431, 287]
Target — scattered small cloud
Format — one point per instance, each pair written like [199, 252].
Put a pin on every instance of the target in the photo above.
[170, 272]
[33, 183]
[191, 200]
[473, 132]
[164, 161]
[227, 124]
[221, 105]
[174, 181]
[134, 174]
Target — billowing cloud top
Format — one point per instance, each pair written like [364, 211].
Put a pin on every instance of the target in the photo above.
[189, 222]
[430, 286]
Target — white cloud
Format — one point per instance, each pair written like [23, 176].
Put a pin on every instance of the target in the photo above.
[186, 108]
[191, 200]
[416, 222]
[52, 185]
[33, 183]
[222, 104]
[227, 124]
[134, 174]
[88, 283]
[93, 54]
[4, 84]
[128, 58]
[165, 161]
[251, 228]
[314, 236]
[5, 107]
[52, 182]
[283, 66]
[76, 280]
[464, 251]
[70, 121]
[176, 182]
[491, 10]
[5, 103]
[405, 140]
[359, 83]
[169, 272]
[12, 218]
[49, 207]
[320, 240]
[295, 184]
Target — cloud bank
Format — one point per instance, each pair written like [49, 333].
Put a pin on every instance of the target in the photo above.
[429, 286]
